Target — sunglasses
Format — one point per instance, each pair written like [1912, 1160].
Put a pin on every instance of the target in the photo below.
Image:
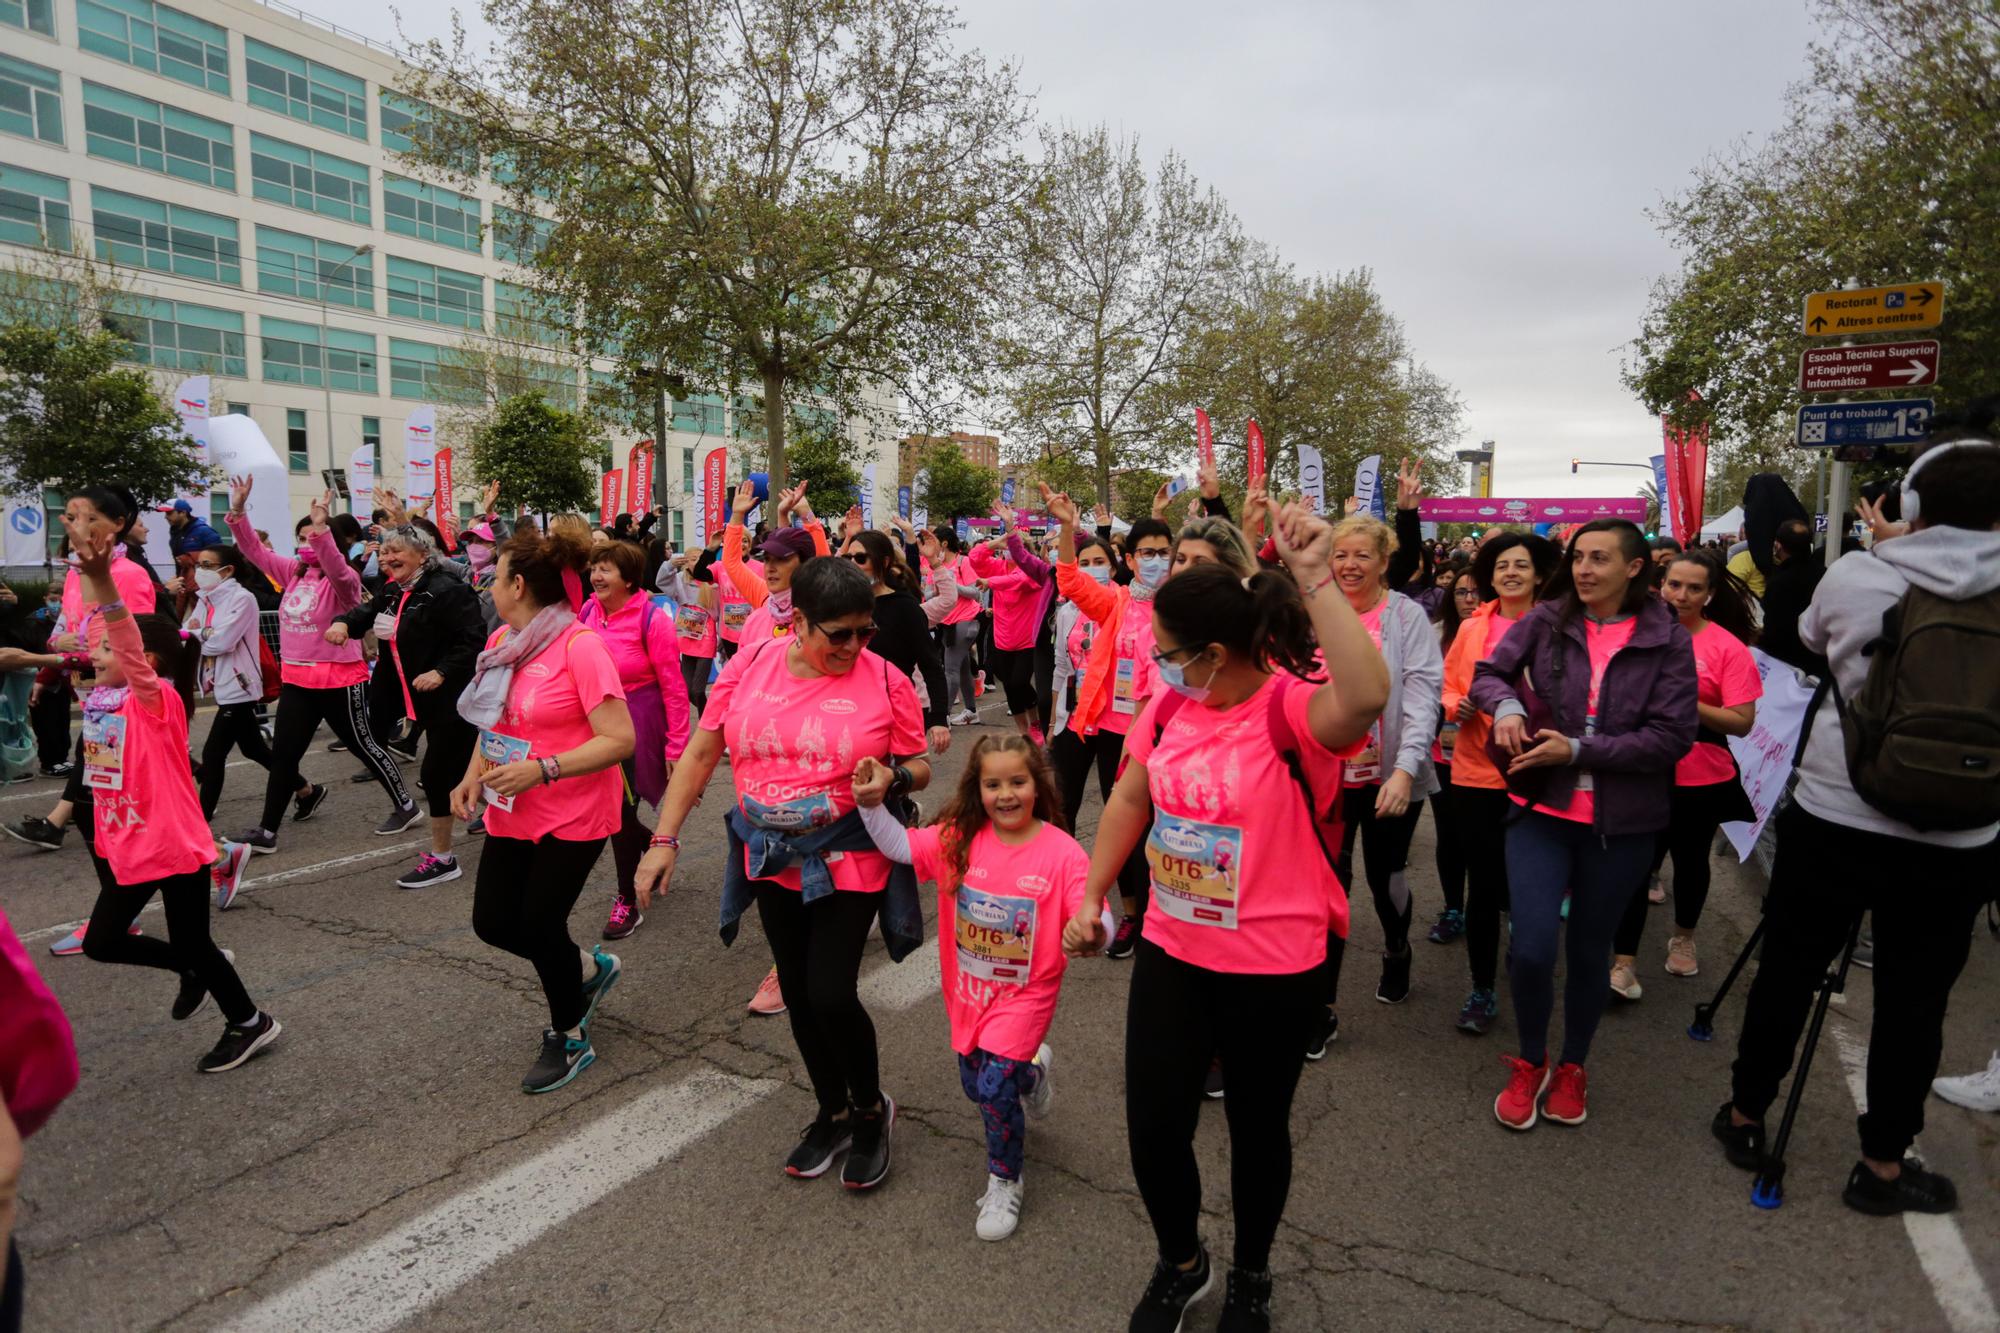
[858, 557]
[840, 638]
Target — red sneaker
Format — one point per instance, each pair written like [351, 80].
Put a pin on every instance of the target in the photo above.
[1566, 1104]
[1515, 1106]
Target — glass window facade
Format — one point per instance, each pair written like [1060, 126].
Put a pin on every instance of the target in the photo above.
[293, 265]
[405, 120]
[30, 16]
[34, 209]
[518, 237]
[143, 133]
[430, 212]
[305, 89]
[427, 371]
[178, 335]
[439, 295]
[701, 415]
[145, 233]
[318, 358]
[297, 177]
[156, 37]
[30, 101]
[297, 446]
[523, 314]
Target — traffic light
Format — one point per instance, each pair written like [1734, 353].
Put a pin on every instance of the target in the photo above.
[1572, 465]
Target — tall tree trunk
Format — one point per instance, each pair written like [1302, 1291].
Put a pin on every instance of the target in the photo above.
[774, 428]
[1101, 446]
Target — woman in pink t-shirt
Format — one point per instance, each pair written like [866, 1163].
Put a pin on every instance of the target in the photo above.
[1243, 887]
[553, 729]
[1008, 881]
[1714, 606]
[151, 837]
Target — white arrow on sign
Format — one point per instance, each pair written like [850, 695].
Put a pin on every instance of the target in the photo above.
[1910, 374]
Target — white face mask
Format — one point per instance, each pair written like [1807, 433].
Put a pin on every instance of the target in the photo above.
[207, 579]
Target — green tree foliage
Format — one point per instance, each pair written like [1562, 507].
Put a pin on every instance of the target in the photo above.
[71, 416]
[543, 457]
[957, 487]
[825, 457]
[1885, 170]
[1134, 498]
[803, 191]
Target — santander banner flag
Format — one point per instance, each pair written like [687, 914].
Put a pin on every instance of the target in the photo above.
[420, 454]
[1687, 478]
[1204, 438]
[1312, 478]
[444, 512]
[714, 495]
[1254, 439]
[639, 477]
[610, 486]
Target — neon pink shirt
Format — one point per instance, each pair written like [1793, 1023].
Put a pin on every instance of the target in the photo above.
[149, 821]
[647, 651]
[1016, 599]
[135, 589]
[1365, 769]
[1725, 677]
[1132, 674]
[966, 607]
[793, 742]
[37, 1050]
[1000, 934]
[549, 705]
[314, 593]
[1604, 641]
[1239, 881]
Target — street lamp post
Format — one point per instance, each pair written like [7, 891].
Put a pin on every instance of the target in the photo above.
[326, 344]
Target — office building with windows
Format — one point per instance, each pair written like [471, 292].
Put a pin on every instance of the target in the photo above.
[238, 163]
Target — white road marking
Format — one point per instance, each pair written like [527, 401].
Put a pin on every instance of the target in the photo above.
[901, 985]
[296, 872]
[1940, 1246]
[391, 1280]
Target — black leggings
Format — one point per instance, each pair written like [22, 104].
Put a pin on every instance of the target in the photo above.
[1450, 851]
[521, 903]
[1014, 669]
[1385, 856]
[818, 952]
[694, 673]
[50, 716]
[300, 711]
[1074, 755]
[1687, 839]
[628, 844]
[235, 728]
[449, 741]
[1178, 1018]
[188, 948]
[1480, 815]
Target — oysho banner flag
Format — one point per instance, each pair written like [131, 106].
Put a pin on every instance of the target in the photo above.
[445, 512]
[610, 487]
[420, 454]
[1312, 478]
[714, 499]
[1368, 485]
[1253, 437]
[639, 477]
[868, 496]
[1204, 438]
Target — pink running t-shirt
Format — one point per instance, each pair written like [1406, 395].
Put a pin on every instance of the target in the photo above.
[1365, 769]
[1604, 641]
[135, 589]
[1239, 880]
[1132, 672]
[1000, 934]
[548, 706]
[1725, 677]
[149, 820]
[793, 742]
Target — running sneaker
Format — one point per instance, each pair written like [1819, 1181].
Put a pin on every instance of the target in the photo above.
[1625, 982]
[72, 943]
[1124, 939]
[1394, 988]
[1656, 890]
[239, 1044]
[336, 747]
[1246, 1302]
[1211, 1083]
[1914, 1190]
[1975, 1092]
[599, 984]
[36, 832]
[477, 826]
[1743, 1145]
[1568, 1099]
[965, 717]
[61, 770]
[563, 1058]
[1476, 1015]
[769, 1000]
[1449, 926]
[398, 819]
[306, 806]
[193, 997]
[1164, 1307]
[1681, 961]
[999, 1209]
[824, 1139]
[258, 840]
[868, 1157]
[1038, 1101]
[431, 869]
[624, 919]
[1515, 1106]
[1325, 1033]
[227, 874]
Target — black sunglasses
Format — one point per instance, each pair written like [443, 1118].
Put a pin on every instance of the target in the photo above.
[840, 638]
[858, 557]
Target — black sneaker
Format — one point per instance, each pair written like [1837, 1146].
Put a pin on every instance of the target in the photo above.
[819, 1143]
[258, 840]
[1914, 1191]
[1394, 987]
[305, 807]
[1246, 1302]
[476, 826]
[37, 832]
[1163, 1309]
[397, 820]
[62, 770]
[1211, 1083]
[1125, 939]
[194, 996]
[239, 1044]
[431, 869]
[1325, 1033]
[1743, 1145]
[362, 777]
[868, 1156]
[562, 1059]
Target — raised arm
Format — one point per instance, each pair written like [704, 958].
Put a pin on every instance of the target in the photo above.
[281, 569]
[1357, 684]
[93, 542]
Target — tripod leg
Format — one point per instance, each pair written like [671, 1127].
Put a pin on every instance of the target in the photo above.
[1703, 1027]
[1769, 1190]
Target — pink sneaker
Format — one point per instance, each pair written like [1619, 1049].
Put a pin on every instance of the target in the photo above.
[624, 919]
[769, 999]
[227, 874]
[72, 943]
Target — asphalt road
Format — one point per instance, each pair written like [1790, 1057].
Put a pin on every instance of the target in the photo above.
[379, 1166]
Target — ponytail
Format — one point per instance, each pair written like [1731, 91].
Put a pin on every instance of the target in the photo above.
[540, 562]
[1260, 619]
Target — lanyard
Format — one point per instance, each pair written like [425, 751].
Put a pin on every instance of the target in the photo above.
[396, 656]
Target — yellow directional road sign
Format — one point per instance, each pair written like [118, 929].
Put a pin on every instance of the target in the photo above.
[1913, 305]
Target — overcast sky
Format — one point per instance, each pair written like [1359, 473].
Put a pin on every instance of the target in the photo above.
[1491, 163]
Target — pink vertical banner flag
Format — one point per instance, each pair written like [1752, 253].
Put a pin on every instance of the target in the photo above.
[1687, 477]
[715, 493]
[613, 483]
[639, 477]
[1204, 438]
[445, 511]
[1254, 439]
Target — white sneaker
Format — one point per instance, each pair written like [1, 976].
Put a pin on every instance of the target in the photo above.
[1036, 1103]
[999, 1209]
[1975, 1092]
[1625, 983]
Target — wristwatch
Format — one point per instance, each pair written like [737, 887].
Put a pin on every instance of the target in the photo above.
[900, 781]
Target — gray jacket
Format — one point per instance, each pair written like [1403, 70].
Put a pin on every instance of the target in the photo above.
[1415, 709]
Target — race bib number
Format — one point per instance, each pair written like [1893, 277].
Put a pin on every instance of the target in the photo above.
[734, 614]
[805, 812]
[385, 626]
[691, 622]
[1365, 767]
[104, 752]
[1123, 698]
[1195, 869]
[996, 937]
[500, 749]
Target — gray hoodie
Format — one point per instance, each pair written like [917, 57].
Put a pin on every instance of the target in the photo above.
[1846, 613]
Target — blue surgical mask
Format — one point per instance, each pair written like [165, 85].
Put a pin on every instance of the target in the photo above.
[1153, 569]
[1174, 676]
[1102, 573]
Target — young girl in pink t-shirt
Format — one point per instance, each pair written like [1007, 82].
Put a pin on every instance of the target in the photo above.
[1009, 879]
[150, 834]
